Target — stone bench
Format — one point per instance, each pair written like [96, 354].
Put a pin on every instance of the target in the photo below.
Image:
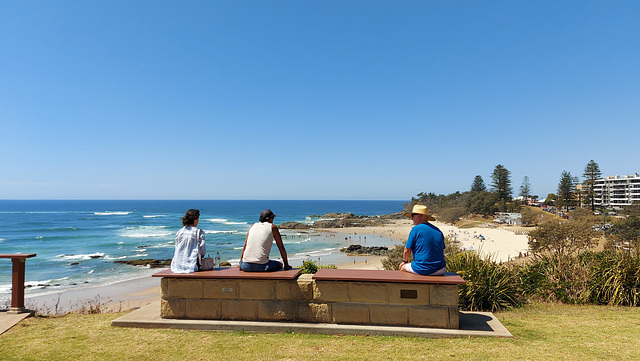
[374, 297]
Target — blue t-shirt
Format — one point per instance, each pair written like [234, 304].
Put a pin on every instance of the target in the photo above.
[426, 242]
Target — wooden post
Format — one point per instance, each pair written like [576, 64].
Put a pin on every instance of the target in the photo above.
[17, 280]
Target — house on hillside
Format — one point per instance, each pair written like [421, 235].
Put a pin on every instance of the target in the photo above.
[514, 219]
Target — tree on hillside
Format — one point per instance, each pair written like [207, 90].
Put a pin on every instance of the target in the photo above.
[501, 183]
[551, 199]
[483, 203]
[566, 189]
[525, 189]
[625, 232]
[478, 184]
[565, 237]
[590, 175]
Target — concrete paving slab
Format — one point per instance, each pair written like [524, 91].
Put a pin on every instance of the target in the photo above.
[8, 320]
[479, 324]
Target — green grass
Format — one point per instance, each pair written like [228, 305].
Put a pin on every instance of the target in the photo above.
[541, 332]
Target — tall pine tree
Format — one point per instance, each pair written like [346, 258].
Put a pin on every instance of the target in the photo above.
[478, 184]
[590, 175]
[501, 183]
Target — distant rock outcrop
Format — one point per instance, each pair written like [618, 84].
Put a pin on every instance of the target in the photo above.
[152, 263]
[356, 249]
[341, 220]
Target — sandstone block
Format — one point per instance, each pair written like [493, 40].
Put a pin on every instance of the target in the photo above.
[357, 313]
[330, 291]
[204, 309]
[429, 316]
[389, 315]
[445, 295]
[300, 289]
[454, 317]
[164, 287]
[313, 312]
[257, 289]
[239, 310]
[368, 292]
[172, 308]
[184, 288]
[276, 310]
[408, 293]
[221, 289]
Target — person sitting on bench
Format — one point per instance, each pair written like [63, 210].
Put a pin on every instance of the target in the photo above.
[426, 242]
[257, 246]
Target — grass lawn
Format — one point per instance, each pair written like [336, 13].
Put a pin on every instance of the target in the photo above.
[541, 332]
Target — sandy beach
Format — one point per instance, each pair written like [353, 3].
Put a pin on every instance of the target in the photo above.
[500, 244]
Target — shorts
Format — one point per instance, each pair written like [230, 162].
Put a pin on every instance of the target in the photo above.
[440, 272]
[260, 267]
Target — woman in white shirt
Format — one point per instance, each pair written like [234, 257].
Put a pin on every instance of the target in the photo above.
[189, 240]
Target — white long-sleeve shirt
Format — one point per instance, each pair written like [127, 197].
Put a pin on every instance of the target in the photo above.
[185, 257]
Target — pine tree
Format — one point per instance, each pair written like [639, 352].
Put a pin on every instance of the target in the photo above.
[525, 189]
[566, 189]
[478, 184]
[591, 174]
[501, 183]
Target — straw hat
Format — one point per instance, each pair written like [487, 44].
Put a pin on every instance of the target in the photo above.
[420, 209]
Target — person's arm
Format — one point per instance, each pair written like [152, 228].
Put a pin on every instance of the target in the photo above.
[243, 247]
[283, 252]
[406, 257]
[203, 246]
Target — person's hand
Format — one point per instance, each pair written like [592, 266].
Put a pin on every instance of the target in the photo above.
[287, 267]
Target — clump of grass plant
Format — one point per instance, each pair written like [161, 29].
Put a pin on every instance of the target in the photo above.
[616, 278]
[311, 267]
[489, 285]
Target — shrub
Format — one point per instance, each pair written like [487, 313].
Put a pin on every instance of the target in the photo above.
[394, 258]
[616, 279]
[489, 286]
[312, 267]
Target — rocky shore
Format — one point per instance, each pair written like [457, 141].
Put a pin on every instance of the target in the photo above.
[356, 249]
[342, 220]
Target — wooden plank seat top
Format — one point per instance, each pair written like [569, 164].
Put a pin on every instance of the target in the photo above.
[17, 255]
[326, 274]
[233, 272]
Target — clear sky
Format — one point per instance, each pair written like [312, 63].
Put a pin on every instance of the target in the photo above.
[312, 99]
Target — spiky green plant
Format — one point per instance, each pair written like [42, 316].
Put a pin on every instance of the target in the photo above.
[490, 286]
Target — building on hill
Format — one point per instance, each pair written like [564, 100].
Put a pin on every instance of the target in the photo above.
[617, 191]
[514, 219]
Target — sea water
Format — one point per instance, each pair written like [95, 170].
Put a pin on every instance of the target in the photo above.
[77, 241]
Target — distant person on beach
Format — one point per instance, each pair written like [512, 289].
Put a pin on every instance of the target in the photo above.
[189, 240]
[426, 243]
[257, 246]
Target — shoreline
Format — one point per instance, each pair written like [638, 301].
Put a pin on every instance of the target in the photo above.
[499, 243]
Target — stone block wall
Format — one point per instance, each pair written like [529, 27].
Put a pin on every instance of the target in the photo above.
[315, 301]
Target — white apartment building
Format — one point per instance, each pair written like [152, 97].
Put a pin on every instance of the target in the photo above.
[617, 191]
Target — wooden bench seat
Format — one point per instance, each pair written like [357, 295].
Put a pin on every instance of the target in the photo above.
[233, 272]
[449, 278]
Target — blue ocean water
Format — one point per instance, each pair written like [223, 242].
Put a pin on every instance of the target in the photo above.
[77, 241]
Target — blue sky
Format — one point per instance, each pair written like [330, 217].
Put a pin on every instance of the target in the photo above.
[312, 99]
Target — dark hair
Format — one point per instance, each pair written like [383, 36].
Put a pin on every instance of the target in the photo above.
[266, 215]
[190, 217]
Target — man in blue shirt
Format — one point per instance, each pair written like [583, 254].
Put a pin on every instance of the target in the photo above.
[426, 243]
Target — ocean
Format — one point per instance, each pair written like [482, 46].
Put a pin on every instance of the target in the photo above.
[77, 241]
